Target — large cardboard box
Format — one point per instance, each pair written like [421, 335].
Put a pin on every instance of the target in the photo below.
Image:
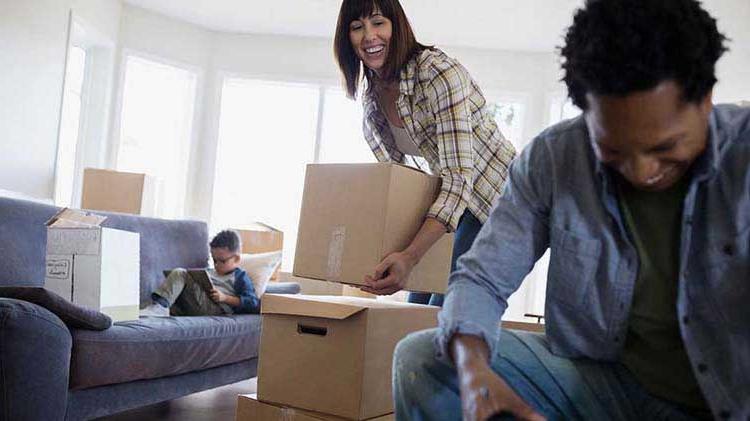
[249, 408]
[93, 266]
[261, 238]
[116, 191]
[354, 215]
[333, 354]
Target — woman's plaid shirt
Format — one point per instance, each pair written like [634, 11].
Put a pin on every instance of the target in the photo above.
[445, 113]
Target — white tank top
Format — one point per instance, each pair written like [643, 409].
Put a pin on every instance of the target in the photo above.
[403, 141]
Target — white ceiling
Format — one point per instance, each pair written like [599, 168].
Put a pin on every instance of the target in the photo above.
[521, 25]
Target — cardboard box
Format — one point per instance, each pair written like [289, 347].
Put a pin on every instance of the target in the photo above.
[312, 286]
[333, 354]
[349, 291]
[115, 191]
[261, 238]
[249, 408]
[93, 266]
[354, 215]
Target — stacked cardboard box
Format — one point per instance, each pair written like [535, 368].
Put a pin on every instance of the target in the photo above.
[261, 238]
[333, 354]
[330, 357]
[354, 215]
[250, 408]
[116, 191]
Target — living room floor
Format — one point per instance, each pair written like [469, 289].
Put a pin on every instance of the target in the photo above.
[211, 405]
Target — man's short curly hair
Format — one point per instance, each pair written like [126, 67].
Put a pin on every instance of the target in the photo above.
[227, 239]
[616, 47]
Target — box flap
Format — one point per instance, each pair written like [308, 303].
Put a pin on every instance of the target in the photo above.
[329, 307]
[397, 164]
[260, 226]
[326, 306]
[74, 218]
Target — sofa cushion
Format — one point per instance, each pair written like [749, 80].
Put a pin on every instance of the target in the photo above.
[74, 316]
[154, 347]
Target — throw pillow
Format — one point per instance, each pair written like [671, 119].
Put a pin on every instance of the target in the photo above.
[260, 267]
[74, 316]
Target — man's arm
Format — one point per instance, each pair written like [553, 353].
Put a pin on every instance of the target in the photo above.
[510, 242]
[514, 237]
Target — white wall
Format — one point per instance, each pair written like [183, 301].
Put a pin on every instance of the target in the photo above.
[733, 70]
[33, 45]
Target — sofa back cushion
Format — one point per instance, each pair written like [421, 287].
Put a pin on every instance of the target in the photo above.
[165, 244]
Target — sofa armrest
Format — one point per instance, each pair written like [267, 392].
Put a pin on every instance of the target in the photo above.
[283, 288]
[35, 349]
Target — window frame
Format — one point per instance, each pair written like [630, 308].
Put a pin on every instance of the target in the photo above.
[113, 150]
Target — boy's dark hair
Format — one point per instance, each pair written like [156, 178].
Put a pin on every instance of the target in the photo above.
[227, 239]
[616, 47]
[402, 47]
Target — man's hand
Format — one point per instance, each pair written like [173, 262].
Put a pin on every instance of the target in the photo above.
[217, 296]
[484, 394]
[391, 274]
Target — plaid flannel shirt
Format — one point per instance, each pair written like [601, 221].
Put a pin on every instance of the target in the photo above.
[445, 113]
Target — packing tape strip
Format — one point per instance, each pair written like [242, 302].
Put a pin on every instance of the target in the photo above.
[336, 253]
[287, 414]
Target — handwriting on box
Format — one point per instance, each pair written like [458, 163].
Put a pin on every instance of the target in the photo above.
[58, 269]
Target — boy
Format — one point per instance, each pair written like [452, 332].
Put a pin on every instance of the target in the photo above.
[232, 292]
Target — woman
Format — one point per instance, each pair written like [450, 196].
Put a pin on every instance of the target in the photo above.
[419, 102]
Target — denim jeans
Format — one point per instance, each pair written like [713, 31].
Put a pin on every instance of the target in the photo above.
[466, 232]
[426, 388]
[186, 297]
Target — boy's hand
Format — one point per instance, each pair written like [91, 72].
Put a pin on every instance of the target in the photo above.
[217, 296]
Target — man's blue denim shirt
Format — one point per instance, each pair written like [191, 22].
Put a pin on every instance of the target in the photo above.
[559, 196]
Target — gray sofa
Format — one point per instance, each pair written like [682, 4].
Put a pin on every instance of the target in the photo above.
[49, 371]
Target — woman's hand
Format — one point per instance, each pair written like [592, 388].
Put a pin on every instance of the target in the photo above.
[391, 274]
[484, 394]
[217, 296]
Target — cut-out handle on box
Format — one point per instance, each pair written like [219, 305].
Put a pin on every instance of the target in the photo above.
[312, 330]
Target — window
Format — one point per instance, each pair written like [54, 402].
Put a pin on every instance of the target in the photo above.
[155, 128]
[530, 298]
[70, 123]
[267, 136]
[342, 140]
[562, 108]
[509, 112]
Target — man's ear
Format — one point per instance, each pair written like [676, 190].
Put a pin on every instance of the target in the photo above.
[707, 103]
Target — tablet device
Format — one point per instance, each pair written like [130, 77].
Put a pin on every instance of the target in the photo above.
[201, 278]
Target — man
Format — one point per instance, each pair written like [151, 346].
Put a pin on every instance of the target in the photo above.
[644, 201]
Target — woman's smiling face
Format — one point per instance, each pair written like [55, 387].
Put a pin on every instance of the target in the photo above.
[370, 37]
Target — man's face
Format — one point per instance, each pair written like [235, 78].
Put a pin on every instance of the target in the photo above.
[651, 138]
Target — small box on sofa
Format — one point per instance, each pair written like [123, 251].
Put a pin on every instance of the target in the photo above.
[93, 266]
